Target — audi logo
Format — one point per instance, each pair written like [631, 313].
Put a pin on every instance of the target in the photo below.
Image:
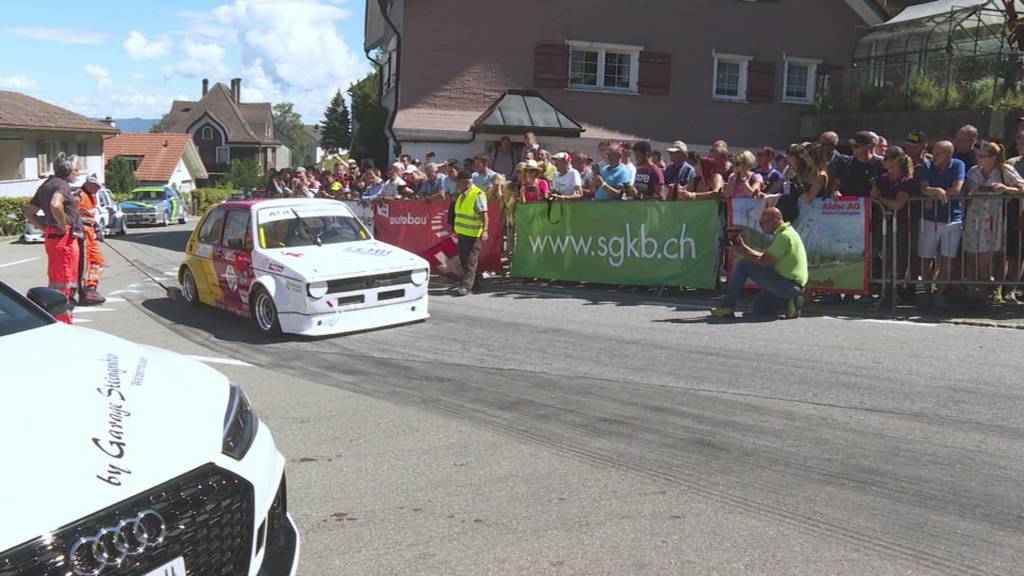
[110, 547]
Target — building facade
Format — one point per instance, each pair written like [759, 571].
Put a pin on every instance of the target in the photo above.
[700, 70]
[33, 132]
[224, 128]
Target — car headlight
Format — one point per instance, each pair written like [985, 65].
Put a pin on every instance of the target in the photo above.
[419, 276]
[240, 424]
[316, 290]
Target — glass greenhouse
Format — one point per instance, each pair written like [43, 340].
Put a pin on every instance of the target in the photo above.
[937, 55]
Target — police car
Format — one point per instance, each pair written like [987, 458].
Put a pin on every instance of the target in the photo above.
[129, 460]
[301, 266]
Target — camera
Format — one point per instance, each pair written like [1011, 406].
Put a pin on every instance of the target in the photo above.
[733, 235]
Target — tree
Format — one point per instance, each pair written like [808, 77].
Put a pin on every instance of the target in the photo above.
[121, 175]
[336, 128]
[289, 123]
[370, 119]
[243, 174]
[160, 126]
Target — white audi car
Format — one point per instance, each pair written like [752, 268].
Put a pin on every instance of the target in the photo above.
[128, 460]
[302, 266]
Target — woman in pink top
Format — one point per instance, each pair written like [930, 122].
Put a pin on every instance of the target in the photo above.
[532, 188]
[744, 182]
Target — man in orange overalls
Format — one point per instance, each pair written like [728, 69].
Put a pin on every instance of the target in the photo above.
[62, 225]
[92, 261]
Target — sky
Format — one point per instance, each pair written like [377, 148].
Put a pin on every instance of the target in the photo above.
[131, 59]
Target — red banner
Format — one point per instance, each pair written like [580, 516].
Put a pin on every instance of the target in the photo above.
[420, 225]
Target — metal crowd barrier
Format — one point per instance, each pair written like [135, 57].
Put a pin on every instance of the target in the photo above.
[973, 243]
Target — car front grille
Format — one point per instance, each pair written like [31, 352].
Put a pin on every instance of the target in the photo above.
[367, 282]
[208, 513]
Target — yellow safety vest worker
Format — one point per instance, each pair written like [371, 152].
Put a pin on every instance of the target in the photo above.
[468, 222]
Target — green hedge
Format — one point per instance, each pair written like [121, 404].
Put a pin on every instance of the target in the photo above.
[10, 215]
[203, 198]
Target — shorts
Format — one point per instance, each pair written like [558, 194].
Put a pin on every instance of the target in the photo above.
[939, 236]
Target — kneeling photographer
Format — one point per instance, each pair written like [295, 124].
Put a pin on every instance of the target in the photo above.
[781, 270]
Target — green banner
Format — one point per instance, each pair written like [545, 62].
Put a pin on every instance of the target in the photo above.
[634, 243]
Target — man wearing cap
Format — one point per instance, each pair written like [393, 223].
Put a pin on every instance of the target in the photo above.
[916, 146]
[864, 167]
[679, 172]
[470, 226]
[566, 184]
[91, 258]
[62, 225]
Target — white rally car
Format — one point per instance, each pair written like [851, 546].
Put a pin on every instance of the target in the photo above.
[302, 266]
[128, 460]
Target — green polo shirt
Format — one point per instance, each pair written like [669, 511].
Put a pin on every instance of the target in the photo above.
[790, 255]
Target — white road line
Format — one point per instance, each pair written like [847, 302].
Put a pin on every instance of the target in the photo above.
[81, 321]
[87, 310]
[112, 299]
[126, 291]
[881, 321]
[228, 361]
[16, 262]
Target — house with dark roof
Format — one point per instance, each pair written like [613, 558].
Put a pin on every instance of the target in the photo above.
[286, 157]
[33, 132]
[224, 128]
[165, 159]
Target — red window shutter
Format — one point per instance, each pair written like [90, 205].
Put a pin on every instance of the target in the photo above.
[761, 82]
[655, 75]
[551, 66]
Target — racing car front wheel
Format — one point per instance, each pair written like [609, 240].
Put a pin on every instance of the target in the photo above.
[264, 312]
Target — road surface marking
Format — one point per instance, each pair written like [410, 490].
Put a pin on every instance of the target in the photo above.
[881, 321]
[228, 361]
[81, 321]
[85, 310]
[112, 299]
[16, 262]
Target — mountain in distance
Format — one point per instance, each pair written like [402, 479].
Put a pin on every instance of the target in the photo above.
[135, 125]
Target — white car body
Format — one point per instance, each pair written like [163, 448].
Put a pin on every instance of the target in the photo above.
[91, 436]
[365, 283]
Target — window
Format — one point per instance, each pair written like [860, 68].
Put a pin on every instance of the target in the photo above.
[611, 67]
[212, 227]
[236, 230]
[207, 133]
[46, 153]
[82, 150]
[731, 77]
[801, 77]
[223, 155]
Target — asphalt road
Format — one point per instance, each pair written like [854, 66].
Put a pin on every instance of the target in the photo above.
[517, 432]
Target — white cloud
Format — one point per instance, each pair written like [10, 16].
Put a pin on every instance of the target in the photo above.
[137, 47]
[198, 59]
[58, 35]
[101, 75]
[16, 83]
[122, 102]
[292, 51]
[138, 75]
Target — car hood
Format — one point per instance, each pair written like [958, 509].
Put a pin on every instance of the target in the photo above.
[139, 205]
[311, 263]
[94, 421]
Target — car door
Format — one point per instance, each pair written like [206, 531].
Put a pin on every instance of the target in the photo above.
[233, 261]
[200, 252]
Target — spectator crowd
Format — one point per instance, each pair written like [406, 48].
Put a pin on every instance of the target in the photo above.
[952, 222]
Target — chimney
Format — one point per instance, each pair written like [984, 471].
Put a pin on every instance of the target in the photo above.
[236, 90]
[206, 86]
[109, 122]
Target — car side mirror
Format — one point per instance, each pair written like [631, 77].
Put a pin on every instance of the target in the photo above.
[53, 301]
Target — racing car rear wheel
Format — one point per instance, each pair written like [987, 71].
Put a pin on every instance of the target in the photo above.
[188, 286]
[264, 312]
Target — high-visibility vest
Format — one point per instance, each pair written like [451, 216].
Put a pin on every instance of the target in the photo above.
[468, 222]
[88, 209]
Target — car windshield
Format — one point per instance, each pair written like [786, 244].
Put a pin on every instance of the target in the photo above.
[16, 315]
[148, 195]
[291, 227]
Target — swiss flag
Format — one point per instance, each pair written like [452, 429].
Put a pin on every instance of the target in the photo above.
[444, 259]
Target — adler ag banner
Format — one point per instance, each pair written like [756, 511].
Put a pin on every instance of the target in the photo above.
[419, 226]
[836, 234]
[629, 243]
